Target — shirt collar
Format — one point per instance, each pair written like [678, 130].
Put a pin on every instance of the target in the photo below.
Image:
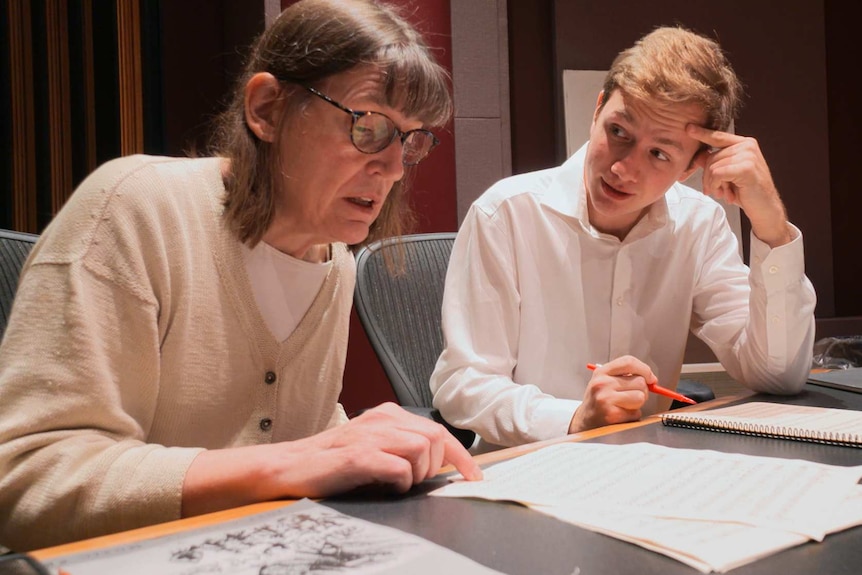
[567, 195]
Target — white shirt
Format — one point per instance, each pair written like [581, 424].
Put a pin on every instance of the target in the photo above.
[533, 293]
[284, 287]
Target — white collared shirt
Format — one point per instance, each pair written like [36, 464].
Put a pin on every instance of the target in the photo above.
[533, 293]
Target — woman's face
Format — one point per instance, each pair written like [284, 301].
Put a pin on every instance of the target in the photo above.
[329, 191]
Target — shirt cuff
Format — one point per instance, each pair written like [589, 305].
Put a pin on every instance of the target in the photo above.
[552, 417]
[775, 268]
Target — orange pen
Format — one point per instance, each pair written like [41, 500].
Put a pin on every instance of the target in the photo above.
[656, 388]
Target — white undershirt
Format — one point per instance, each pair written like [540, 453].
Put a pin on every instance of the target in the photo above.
[284, 287]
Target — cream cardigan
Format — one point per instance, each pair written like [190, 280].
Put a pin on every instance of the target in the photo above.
[135, 342]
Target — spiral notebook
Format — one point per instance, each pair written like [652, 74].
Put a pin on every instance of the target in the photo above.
[776, 420]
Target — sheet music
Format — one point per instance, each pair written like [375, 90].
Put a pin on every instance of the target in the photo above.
[706, 546]
[302, 538]
[660, 481]
[713, 511]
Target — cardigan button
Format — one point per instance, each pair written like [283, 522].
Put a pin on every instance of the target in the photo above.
[270, 377]
[265, 424]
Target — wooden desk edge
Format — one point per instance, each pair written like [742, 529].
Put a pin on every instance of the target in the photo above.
[190, 523]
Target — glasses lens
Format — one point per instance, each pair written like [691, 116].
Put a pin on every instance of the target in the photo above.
[372, 132]
[417, 145]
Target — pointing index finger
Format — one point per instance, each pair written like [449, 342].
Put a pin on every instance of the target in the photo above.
[460, 458]
[712, 138]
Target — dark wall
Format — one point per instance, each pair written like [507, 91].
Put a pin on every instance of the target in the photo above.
[203, 44]
[781, 49]
[531, 90]
[844, 97]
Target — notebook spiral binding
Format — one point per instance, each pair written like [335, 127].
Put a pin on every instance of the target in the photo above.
[769, 431]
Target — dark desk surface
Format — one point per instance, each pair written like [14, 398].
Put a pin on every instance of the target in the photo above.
[517, 541]
[514, 540]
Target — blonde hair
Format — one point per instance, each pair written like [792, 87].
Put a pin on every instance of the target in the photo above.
[672, 65]
[310, 41]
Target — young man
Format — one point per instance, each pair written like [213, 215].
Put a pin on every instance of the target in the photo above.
[608, 259]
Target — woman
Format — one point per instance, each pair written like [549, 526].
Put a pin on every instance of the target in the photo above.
[179, 335]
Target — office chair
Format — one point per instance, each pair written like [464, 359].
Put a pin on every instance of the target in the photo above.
[401, 316]
[14, 249]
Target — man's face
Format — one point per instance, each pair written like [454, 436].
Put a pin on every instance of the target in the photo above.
[636, 152]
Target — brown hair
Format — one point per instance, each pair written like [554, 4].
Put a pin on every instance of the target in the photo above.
[310, 41]
[673, 65]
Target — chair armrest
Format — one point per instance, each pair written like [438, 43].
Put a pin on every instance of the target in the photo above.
[464, 436]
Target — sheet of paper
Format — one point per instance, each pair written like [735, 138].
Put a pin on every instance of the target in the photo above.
[848, 514]
[302, 538]
[706, 546]
[647, 479]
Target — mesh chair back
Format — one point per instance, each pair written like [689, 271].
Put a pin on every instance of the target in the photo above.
[14, 249]
[401, 314]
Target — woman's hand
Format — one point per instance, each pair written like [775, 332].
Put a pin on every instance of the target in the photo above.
[384, 446]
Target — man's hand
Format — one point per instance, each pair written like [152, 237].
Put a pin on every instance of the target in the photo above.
[615, 394]
[735, 171]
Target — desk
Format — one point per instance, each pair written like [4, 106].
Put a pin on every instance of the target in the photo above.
[517, 541]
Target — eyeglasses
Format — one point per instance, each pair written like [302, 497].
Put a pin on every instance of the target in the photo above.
[372, 132]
